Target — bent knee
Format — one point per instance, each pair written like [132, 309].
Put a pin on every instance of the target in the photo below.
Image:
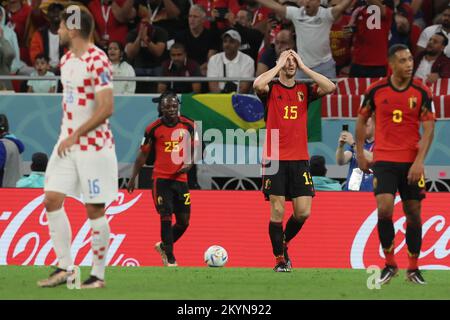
[302, 216]
[277, 211]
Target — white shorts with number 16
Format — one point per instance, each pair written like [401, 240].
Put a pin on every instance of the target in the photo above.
[93, 174]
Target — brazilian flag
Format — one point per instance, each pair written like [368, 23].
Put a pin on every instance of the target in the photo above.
[239, 111]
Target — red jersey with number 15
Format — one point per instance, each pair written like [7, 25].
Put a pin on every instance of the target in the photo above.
[398, 114]
[170, 144]
[286, 111]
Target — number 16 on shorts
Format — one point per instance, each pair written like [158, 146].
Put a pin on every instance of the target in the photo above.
[94, 188]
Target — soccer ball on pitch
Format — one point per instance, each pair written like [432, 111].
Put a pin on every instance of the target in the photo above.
[216, 256]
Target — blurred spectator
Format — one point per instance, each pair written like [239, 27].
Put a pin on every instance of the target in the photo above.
[259, 13]
[318, 172]
[46, 39]
[231, 63]
[200, 43]
[357, 180]
[341, 41]
[169, 14]
[403, 29]
[18, 13]
[121, 68]
[218, 12]
[10, 159]
[312, 27]
[17, 66]
[36, 178]
[370, 42]
[145, 49]
[111, 20]
[432, 64]
[41, 66]
[427, 33]
[274, 24]
[179, 65]
[251, 38]
[6, 58]
[284, 40]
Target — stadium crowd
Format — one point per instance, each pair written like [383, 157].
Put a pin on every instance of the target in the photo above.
[341, 38]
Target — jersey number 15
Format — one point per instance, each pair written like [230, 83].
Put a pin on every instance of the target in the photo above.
[290, 112]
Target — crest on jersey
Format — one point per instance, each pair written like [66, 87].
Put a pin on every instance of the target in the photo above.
[160, 200]
[105, 78]
[267, 184]
[301, 96]
[412, 102]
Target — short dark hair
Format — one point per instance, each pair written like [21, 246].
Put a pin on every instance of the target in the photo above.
[43, 57]
[39, 162]
[395, 48]
[86, 22]
[4, 124]
[249, 14]
[445, 42]
[178, 45]
[164, 95]
[55, 6]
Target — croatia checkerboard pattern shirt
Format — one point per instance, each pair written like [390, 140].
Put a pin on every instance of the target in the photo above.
[82, 77]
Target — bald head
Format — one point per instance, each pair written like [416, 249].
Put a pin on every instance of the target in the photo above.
[284, 40]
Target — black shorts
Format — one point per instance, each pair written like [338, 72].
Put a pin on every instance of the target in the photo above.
[292, 180]
[171, 196]
[388, 177]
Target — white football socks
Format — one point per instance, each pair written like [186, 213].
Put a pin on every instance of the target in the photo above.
[61, 235]
[99, 245]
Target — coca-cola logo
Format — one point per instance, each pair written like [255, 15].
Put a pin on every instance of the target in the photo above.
[25, 239]
[435, 252]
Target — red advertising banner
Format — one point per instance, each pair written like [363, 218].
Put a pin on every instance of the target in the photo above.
[341, 232]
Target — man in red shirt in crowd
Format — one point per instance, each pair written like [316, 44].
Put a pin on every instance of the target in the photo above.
[18, 13]
[111, 18]
[399, 105]
[286, 104]
[171, 139]
[341, 41]
[370, 40]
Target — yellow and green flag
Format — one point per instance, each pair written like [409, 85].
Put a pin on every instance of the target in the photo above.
[239, 111]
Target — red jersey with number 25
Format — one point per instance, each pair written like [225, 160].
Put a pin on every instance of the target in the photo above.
[170, 144]
[286, 111]
[398, 114]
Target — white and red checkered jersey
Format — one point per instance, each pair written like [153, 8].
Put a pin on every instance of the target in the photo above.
[83, 77]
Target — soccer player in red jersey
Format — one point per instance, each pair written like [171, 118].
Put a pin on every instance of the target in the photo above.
[286, 103]
[171, 138]
[399, 104]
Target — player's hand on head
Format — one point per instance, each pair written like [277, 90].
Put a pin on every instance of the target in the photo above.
[283, 58]
[299, 60]
[415, 173]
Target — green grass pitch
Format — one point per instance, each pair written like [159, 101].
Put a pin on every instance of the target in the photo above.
[186, 283]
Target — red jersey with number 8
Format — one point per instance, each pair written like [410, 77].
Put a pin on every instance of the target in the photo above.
[398, 114]
[286, 115]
